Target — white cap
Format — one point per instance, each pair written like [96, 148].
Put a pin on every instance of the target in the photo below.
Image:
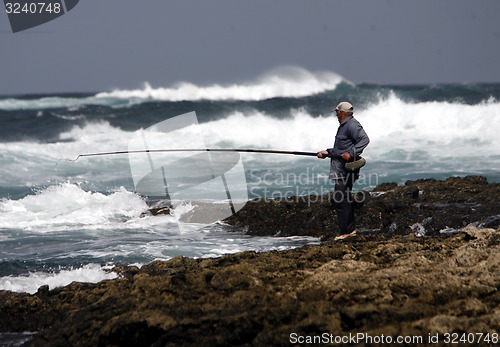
[345, 107]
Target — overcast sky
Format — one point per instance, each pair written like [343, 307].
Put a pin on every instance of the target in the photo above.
[101, 45]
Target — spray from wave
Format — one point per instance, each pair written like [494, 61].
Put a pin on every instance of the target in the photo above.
[288, 81]
[65, 206]
[432, 129]
[91, 273]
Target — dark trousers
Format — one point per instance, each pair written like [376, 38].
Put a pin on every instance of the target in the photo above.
[343, 202]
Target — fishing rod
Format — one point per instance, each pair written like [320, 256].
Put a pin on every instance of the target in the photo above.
[243, 150]
[356, 163]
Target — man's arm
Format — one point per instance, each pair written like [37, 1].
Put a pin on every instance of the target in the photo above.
[360, 139]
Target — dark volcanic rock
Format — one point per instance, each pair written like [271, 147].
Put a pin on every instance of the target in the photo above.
[389, 208]
[294, 216]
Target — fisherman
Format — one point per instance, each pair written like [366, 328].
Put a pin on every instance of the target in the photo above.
[350, 142]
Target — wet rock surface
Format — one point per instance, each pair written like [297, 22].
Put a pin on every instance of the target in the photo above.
[389, 283]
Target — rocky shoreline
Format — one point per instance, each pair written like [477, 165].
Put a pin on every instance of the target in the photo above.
[426, 206]
[427, 265]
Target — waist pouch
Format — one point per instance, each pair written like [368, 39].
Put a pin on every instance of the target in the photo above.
[355, 164]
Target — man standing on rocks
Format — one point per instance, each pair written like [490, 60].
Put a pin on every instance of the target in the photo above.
[350, 142]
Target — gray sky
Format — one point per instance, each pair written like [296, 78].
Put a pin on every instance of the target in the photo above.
[105, 44]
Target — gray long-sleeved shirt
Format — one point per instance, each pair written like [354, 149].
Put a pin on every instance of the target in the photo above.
[351, 138]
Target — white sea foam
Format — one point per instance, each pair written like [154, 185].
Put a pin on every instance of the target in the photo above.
[288, 81]
[66, 206]
[11, 104]
[399, 131]
[54, 102]
[432, 130]
[91, 273]
[28, 163]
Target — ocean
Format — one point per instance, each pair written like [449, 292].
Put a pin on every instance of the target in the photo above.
[63, 220]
